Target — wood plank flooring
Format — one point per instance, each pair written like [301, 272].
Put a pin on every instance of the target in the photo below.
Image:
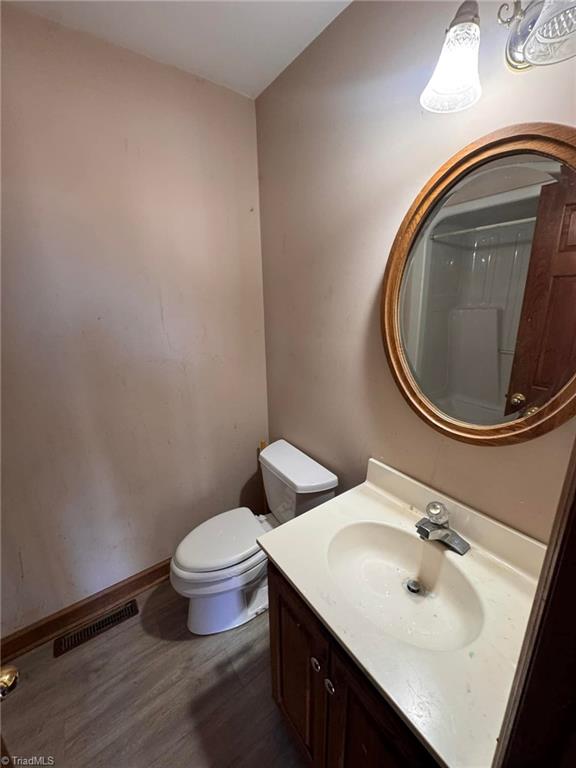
[148, 694]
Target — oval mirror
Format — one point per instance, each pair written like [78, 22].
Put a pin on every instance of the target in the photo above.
[480, 291]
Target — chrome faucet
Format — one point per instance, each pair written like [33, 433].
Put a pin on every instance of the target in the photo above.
[435, 527]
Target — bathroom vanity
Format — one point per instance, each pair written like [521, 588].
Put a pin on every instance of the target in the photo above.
[368, 673]
[336, 714]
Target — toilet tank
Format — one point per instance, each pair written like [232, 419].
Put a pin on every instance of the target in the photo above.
[293, 482]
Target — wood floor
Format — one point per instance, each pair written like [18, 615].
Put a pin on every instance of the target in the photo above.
[148, 694]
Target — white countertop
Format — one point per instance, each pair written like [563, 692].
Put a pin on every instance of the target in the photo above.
[453, 699]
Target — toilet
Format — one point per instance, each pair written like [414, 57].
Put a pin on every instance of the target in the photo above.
[219, 566]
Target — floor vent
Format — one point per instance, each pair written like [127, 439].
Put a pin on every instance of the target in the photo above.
[72, 640]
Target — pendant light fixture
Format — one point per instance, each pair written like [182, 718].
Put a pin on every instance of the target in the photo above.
[553, 38]
[544, 32]
[455, 83]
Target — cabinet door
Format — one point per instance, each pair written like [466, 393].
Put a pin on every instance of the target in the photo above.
[363, 730]
[299, 650]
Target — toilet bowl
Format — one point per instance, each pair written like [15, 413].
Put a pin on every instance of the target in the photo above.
[219, 566]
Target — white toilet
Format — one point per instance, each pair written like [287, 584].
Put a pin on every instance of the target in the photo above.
[219, 565]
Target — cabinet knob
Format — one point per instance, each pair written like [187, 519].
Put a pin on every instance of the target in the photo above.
[315, 664]
[329, 686]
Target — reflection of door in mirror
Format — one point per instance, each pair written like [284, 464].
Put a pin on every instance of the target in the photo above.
[463, 289]
[545, 357]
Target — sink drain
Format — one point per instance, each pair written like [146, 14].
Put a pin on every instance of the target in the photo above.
[413, 586]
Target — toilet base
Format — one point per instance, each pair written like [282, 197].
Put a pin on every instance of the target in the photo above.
[226, 610]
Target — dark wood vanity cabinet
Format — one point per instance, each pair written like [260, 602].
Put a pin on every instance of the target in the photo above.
[300, 656]
[338, 717]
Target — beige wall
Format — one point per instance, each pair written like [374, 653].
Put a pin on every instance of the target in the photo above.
[133, 350]
[134, 371]
[343, 149]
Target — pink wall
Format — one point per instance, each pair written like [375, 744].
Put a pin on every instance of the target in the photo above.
[134, 394]
[135, 387]
[343, 150]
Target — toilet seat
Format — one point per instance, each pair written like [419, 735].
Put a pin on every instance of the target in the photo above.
[219, 574]
[221, 547]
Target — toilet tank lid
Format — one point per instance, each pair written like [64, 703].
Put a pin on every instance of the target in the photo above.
[296, 469]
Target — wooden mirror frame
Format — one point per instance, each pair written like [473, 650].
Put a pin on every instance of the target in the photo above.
[552, 140]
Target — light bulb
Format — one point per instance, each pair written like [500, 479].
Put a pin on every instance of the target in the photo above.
[455, 84]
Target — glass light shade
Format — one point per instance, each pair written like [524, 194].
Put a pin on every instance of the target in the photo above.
[553, 38]
[455, 84]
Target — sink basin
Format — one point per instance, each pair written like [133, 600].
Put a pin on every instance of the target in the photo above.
[445, 657]
[372, 564]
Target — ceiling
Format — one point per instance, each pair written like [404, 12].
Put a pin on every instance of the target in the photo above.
[242, 44]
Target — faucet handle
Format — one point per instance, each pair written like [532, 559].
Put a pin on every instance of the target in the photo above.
[437, 513]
